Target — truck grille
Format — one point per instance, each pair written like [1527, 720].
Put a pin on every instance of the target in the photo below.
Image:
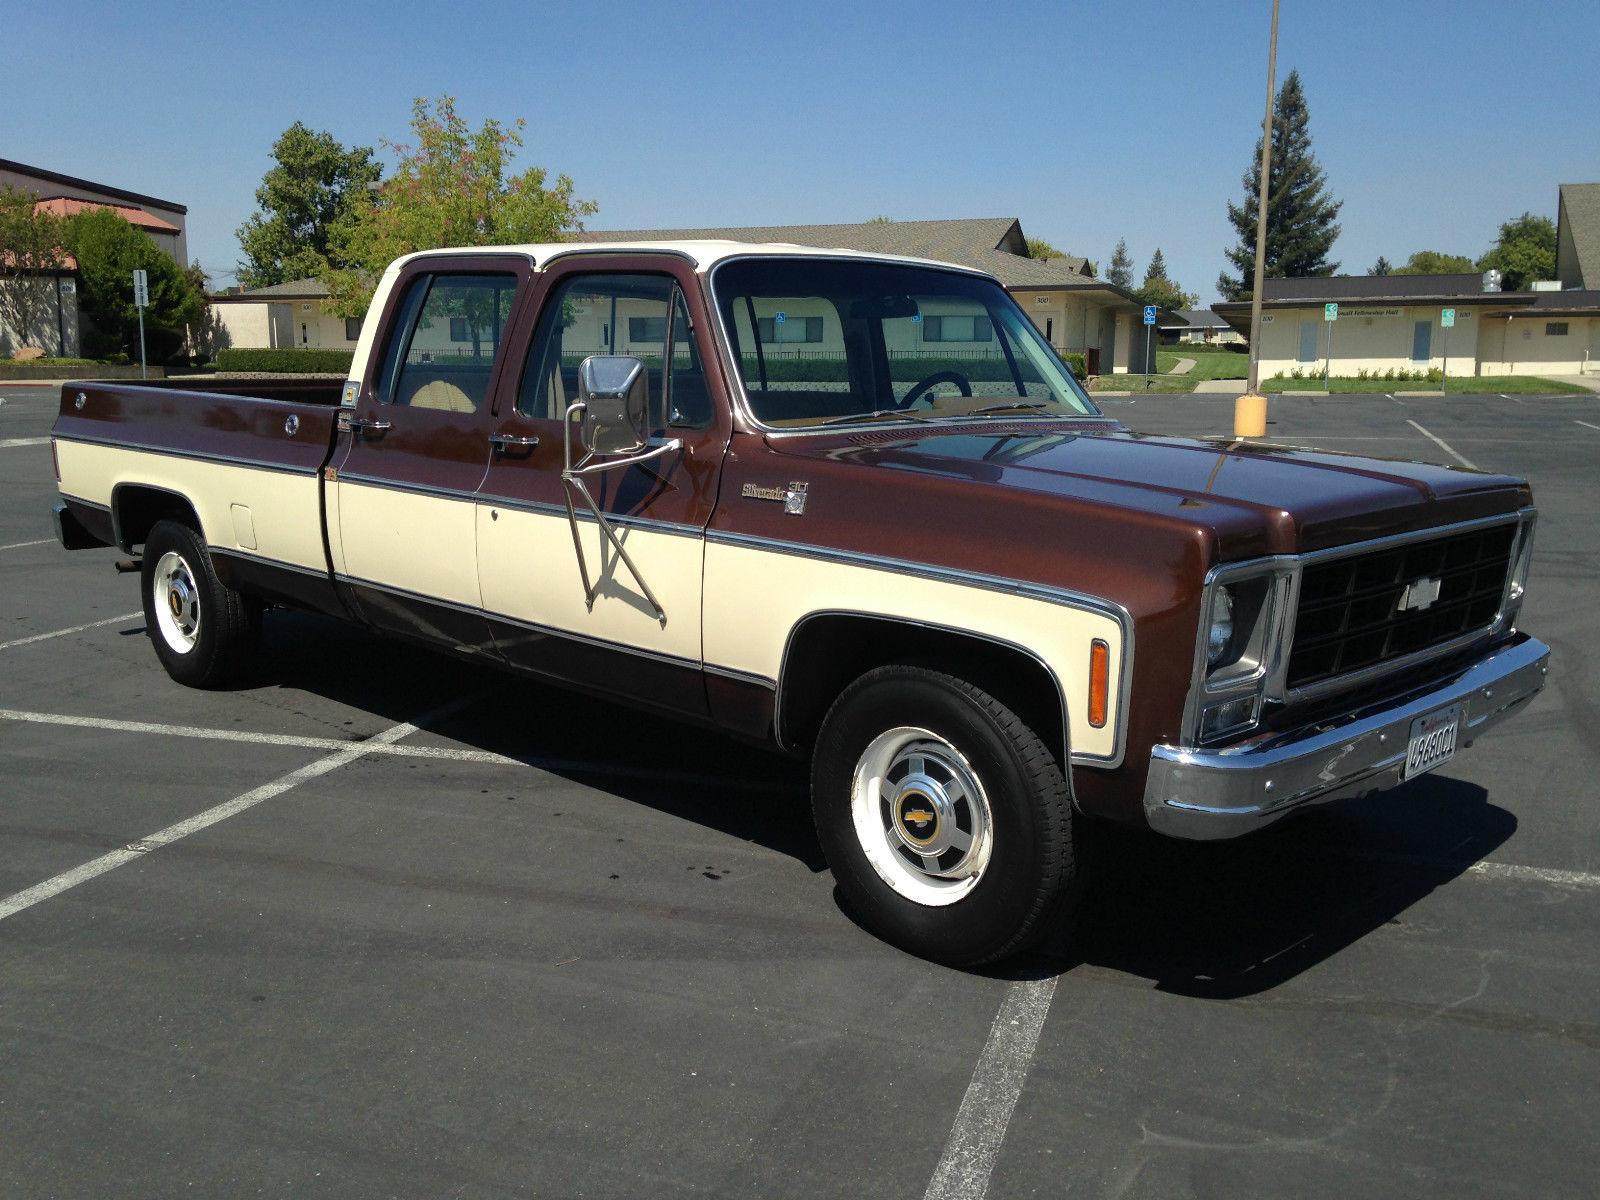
[1350, 616]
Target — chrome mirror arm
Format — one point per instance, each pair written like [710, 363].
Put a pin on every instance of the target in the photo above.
[572, 479]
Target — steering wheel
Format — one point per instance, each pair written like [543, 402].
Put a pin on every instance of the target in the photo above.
[932, 381]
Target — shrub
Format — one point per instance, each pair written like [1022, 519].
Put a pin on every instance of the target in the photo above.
[1389, 374]
[1435, 375]
[287, 361]
[1075, 363]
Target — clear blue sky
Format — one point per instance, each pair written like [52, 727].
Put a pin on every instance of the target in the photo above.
[1434, 121]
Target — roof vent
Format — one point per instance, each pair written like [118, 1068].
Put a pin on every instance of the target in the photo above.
[1545, 285]
[1491, 280]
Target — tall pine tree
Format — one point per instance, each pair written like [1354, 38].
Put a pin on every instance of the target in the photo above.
[1120, 272]
[1301, 225]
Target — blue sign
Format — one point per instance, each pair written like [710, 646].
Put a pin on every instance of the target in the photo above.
[1149, 314]
[780, 318]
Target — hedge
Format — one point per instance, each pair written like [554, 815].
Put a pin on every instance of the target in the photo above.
[287, 362]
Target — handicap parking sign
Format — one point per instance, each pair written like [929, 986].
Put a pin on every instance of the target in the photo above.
[1149, 314]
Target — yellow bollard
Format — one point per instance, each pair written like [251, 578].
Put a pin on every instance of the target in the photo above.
[1250, 416]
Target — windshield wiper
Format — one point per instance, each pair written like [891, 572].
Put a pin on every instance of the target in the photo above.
[1011, 406]
[882, 414]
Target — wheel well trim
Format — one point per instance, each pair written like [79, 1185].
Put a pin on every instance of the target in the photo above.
[934, 627]
[116, 509]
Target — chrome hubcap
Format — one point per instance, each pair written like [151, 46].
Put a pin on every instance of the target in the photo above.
[177, 602]
[921, 816]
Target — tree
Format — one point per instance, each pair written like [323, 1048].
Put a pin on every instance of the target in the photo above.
[30, 247]
[1524, 252]
[1159, 290]
[1381, 267]
[1120, 272]
[1435, 262]
[451, 188]
[1041, 249]
[314, 184]
[1301, 225]
[109, 250]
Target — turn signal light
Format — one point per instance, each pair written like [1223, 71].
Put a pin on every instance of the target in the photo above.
[1099, 681]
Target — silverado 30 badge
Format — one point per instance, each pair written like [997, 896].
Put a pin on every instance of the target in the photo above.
[793, 497]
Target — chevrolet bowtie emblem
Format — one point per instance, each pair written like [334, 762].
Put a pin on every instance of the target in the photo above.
[918, 816]
[1419, 594]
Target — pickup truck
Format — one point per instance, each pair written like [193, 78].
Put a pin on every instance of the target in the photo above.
[850, 505]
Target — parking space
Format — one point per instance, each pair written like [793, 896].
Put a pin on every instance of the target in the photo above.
[539, 945]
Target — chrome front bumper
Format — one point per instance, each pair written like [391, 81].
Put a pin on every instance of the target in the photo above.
[1225, 792]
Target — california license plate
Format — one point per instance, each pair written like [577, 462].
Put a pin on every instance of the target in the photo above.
[1433, 740]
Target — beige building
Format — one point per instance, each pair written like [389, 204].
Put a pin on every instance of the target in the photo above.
[280, 317]
[1075, 311]
[1461, 324]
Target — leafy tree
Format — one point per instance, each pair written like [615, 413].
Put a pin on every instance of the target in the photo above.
[1301, 225]
[1120, 272]
[880, 220]
[109, 250]
[1381, 267]
[1524, 252]
[1041, 249]
[312, 186]
[452, 188]
[30, 246]
[1159, 290]
[1435, 262]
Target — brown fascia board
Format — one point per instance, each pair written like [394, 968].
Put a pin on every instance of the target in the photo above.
[105, 189]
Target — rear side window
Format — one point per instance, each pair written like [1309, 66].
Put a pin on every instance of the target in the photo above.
[446, 335]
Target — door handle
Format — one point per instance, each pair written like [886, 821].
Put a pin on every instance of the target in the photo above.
[363, 426]
[503, 443]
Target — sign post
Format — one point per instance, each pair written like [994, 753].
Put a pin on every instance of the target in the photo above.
[1447, 320]
[1149, 321]
[141, 299]
[1330, 314]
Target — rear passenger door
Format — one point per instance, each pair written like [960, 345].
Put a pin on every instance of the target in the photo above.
[414, 449]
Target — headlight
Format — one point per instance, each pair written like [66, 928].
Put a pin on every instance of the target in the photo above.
[1220, 636]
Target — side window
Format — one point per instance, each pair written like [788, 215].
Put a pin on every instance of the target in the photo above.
[594, 314]
[688, 399]
[447, 332]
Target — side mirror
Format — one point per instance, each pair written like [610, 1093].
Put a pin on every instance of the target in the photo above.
[614, 390]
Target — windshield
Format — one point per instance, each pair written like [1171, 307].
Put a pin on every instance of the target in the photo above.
[833, 341]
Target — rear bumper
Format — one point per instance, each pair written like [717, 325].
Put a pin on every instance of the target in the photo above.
[80, 525]
[1222, 793]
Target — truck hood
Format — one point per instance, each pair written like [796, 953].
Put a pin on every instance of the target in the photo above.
[1255, 497]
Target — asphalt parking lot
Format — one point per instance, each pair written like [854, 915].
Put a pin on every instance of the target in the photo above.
[539, 946]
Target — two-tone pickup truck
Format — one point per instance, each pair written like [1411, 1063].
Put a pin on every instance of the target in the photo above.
[852, 505]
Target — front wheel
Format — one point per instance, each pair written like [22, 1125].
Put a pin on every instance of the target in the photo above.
[204, 632]
[945, 818]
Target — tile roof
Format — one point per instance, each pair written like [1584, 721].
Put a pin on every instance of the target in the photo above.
[1579, 208]
[1197, 318]
[992, 244]
[66, 206]
[1322, 288]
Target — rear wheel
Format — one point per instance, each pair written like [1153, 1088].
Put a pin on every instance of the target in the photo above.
[945, 817]
[203, 631]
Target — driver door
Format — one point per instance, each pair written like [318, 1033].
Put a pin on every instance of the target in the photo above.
[543, 619]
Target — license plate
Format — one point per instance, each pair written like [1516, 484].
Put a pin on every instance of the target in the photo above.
[1433, 740]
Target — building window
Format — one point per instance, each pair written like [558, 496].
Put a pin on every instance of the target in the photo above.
[1555, 329]
[352, 329]
[459, 331]
[957, 329]
[647, 329]
[791, 329]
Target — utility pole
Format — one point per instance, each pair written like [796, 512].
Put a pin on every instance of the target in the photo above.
[1250, 410]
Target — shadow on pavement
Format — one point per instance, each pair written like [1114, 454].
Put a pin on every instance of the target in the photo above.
[1215, 920]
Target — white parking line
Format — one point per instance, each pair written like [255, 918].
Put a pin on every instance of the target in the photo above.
[980, 1125]
[1586, 424]
[94, 868]
[241, 735]
[43, 637]
[571, 766]
[1443, 445]
[24, 442]
[20, 545]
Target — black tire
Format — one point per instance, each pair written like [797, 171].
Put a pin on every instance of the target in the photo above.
[228, 623]
[1029, 885]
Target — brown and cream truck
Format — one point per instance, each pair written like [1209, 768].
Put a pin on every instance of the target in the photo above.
[852, 505]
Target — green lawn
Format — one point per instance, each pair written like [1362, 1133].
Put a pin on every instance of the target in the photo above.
[1143, 383]
[1208, 364]
[1468, 385]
